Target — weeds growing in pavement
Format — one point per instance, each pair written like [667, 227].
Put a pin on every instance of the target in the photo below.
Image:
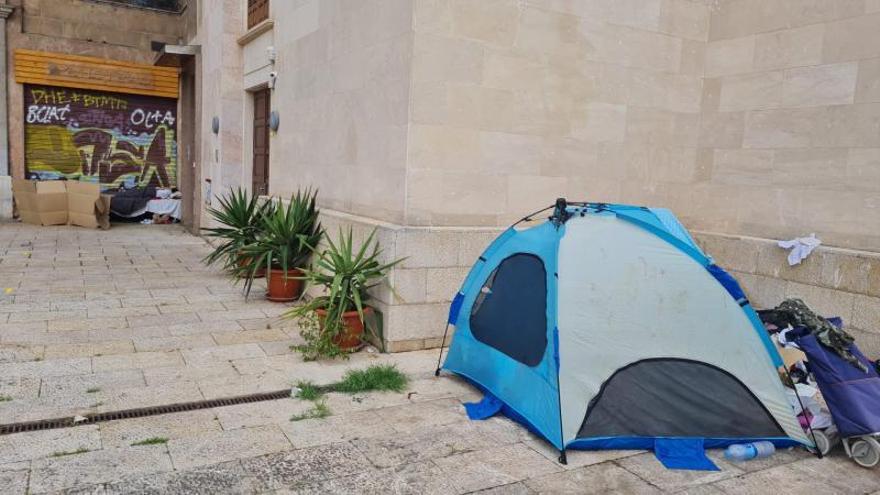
[70, 452]
[381, 377]
[319, 411]
[151, 441]
[308, 391]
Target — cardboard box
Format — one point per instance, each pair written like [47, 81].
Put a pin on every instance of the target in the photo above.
[86, 206]
[61, 202]
[40, 202]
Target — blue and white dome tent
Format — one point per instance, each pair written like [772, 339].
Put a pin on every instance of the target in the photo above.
[606, 327]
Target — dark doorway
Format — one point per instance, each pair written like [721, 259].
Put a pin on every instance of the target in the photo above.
[262, 107]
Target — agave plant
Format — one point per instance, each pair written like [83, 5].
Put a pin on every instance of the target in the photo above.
[346, 274]
[287, 235]
[239, 215]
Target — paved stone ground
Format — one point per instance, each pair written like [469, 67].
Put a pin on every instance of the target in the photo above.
[98, 321]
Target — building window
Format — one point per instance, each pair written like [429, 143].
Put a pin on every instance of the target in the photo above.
[258, 11]
[164, 5]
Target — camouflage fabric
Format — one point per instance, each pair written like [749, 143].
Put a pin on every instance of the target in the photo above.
[796, 313]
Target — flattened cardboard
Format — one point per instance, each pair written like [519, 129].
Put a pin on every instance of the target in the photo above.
[86, 206]
[40, 203]
[61, 202]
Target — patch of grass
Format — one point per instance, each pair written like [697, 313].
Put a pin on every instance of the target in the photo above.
[320, 411]
[70, 452]
[93, 390]
[375, 377]
[151, 441]
[308, 391]
[5, 398]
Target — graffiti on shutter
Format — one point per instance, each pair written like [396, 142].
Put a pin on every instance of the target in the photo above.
[108, 138]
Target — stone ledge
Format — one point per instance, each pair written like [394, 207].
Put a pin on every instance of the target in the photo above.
[839, 269]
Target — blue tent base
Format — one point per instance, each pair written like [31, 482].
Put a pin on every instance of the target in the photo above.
[486, 408]
[490, 406]
[683, 453]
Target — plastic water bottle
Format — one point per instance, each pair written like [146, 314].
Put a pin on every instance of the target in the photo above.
[749, 451]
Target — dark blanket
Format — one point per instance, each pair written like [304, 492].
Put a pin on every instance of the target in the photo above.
[127, 202]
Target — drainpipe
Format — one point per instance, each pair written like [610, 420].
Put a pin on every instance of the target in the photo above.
[5, 179]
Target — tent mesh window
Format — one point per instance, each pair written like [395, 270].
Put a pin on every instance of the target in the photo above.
[676, 398]
[510, 313]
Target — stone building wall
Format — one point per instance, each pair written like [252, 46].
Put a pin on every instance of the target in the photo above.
[220, 93]
[790, 125]
[518, 102]
[343, 98]
[438, 122]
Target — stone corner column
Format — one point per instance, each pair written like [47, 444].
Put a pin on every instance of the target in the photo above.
[5, 175]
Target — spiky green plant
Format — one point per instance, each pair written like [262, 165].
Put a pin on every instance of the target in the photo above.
[346, 274]
[239, 214]
[285, 239]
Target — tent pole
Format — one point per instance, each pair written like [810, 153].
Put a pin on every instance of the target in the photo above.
[442, 343]
[529, 216]
[804, 410]
[562, 458]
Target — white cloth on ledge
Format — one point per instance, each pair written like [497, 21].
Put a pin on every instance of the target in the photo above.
[800, 247]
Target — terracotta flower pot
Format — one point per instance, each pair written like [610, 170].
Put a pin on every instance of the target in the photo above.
[281, 288]
[351, 337]
[244, 262]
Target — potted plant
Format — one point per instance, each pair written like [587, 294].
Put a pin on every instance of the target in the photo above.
[239, 215]
[334, 322]
[283, 245]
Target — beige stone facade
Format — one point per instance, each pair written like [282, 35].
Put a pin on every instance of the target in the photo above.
[438, 122]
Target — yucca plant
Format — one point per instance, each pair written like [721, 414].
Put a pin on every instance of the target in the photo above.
[346, 275]
[287, 235]
[239, 214]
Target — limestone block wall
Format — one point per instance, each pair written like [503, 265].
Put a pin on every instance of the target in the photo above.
[832, 281]
[220, 94]
[437, 261]
[515, 103]
[343, 96]
[789, 139]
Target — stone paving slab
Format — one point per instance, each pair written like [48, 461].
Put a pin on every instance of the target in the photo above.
[288, 469]
[38, 444]
[337, 429]
[14, 477]
[208, 480]
[58, 473]
[503, 465]
[123, 433]
[91, 383]
[646, 466]
[260, 413]
[213, 447]
[596, 479]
